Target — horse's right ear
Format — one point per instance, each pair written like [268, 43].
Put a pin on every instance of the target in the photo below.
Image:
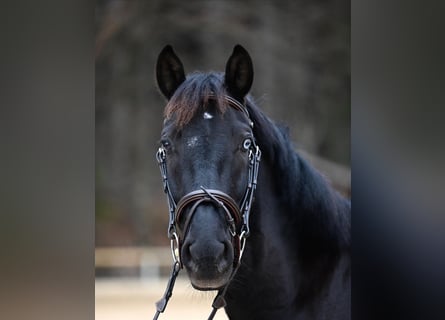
[169, 71]
[239, 72]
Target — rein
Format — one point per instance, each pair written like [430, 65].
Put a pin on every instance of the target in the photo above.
[237, 216]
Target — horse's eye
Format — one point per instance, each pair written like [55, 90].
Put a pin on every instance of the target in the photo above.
[166, 144]
[247, 144]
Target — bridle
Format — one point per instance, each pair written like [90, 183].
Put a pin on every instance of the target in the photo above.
[237, 216]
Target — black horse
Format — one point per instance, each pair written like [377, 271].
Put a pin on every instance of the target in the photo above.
[291, 259]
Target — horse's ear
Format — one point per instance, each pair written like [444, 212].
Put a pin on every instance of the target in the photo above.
[239, 72]
[169, 71]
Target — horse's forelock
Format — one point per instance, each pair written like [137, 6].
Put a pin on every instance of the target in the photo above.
[195, 93]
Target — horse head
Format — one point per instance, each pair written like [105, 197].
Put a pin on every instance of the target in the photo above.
[209, 160]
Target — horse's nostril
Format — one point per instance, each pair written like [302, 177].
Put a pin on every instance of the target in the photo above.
[191, 252]
[185, 252]
[221, 251]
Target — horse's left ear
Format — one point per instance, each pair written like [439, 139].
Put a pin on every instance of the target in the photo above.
[239, 72]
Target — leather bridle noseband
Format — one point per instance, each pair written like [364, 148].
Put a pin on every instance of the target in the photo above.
[237, 216]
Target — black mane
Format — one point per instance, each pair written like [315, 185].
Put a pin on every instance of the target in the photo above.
[309, 191]
[302, 185]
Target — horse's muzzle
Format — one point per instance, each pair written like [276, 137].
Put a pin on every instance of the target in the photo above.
[208, 261]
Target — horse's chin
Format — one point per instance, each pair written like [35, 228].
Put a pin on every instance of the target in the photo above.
[205, 283]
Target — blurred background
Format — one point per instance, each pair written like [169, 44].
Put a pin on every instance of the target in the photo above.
[301, 55]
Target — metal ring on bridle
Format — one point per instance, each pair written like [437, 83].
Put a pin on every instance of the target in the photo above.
[174, 246]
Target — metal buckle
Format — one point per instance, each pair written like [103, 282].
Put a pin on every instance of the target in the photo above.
[243, 236]
[258, 154]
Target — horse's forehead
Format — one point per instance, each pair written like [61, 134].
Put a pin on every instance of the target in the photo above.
[208, 127]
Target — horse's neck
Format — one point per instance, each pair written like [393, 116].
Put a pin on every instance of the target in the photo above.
[283, 269]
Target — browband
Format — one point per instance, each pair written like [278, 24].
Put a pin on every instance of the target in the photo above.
[235, 104]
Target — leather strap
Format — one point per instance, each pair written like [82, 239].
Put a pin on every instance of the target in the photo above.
[202, 195]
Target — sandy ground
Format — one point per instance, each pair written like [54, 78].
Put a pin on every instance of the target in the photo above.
[131, 299]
